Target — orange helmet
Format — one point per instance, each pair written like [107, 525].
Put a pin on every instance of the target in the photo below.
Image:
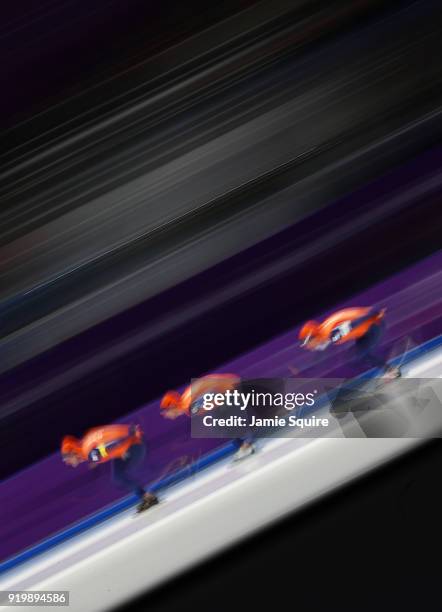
[70, 446]
[171, 399]
[308, 330]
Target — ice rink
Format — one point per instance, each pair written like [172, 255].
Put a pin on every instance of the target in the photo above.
[208, 512]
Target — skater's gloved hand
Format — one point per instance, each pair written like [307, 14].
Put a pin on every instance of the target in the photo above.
[172, 413]
[322, 346]
[381, 313]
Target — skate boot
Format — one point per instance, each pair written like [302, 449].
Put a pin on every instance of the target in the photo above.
[244, 451]
[147, 502]
[391, 373]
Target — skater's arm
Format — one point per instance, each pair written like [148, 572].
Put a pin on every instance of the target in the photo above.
[346, 327]
[322, 346]
[373, 314]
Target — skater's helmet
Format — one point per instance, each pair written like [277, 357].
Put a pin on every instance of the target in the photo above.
[308, 331]
[70, 446]
[170, 400]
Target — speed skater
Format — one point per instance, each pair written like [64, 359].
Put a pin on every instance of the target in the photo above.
[122, 445]
[364, 326]
[190, 402]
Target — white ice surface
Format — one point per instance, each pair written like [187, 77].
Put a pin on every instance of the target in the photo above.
[130, 554]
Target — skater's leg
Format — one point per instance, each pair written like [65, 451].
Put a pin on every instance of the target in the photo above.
[121, 476]
[367, 347]
[246, 447]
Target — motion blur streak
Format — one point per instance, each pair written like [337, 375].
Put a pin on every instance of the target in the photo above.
[187, 197]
